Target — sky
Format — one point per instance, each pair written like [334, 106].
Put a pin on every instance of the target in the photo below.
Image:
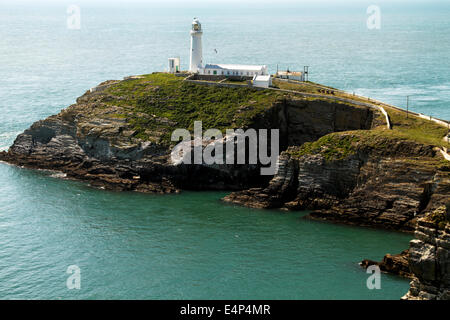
[251, 2]
[325, 6]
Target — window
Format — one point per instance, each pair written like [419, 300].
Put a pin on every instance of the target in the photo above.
[215, 72]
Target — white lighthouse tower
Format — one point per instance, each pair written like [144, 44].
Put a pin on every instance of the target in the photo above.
[196, 61]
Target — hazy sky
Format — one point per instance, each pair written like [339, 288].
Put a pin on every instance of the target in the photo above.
[206, 2]
[317, 4]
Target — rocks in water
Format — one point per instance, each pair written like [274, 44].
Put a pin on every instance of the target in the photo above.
[429, 258]
[392, 263]
[280, 189]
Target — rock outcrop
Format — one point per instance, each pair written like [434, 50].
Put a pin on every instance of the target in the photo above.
[368, 181]
[392, 263]
[429, 257]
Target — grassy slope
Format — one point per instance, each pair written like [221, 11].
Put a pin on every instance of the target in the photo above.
[417, 129]
[163, 102]
[411, 128]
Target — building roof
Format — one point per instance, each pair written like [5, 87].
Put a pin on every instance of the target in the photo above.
[262, 78]
[234, 67]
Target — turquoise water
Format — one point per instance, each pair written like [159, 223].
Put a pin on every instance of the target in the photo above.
[191, 245]
[186, 246]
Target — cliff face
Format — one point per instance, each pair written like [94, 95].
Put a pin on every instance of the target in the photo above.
[429, 259]
[117, 136]
[365, 180]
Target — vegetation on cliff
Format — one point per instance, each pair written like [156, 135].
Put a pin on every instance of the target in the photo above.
[440, 216]
[153, 105]
[403, 127]
[339, 145]
[163, 102]
[334, 146]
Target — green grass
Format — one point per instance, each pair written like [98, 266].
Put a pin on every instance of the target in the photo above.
[412, 128]
[334, 146]
[164, 102]
[340, 145]
[304, 87]
[417, 129]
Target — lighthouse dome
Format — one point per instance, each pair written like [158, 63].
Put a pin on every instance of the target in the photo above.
[196, 25]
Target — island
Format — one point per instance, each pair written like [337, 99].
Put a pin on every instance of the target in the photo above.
[345, 158]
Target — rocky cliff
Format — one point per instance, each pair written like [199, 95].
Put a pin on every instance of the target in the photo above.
[364, 178]
[429, 258]
[117, 135]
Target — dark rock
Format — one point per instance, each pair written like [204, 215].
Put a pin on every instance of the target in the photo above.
[370, 187]
[429, 260]
[396, 264]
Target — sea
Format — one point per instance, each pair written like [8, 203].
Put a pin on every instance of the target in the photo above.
[125, 245]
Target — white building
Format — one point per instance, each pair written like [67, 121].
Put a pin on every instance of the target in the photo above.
[291, 75]
[233, 70]
[263, 81]
[174, 65]
[196, 59]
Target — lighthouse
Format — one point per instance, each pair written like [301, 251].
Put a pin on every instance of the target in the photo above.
[196, 61]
